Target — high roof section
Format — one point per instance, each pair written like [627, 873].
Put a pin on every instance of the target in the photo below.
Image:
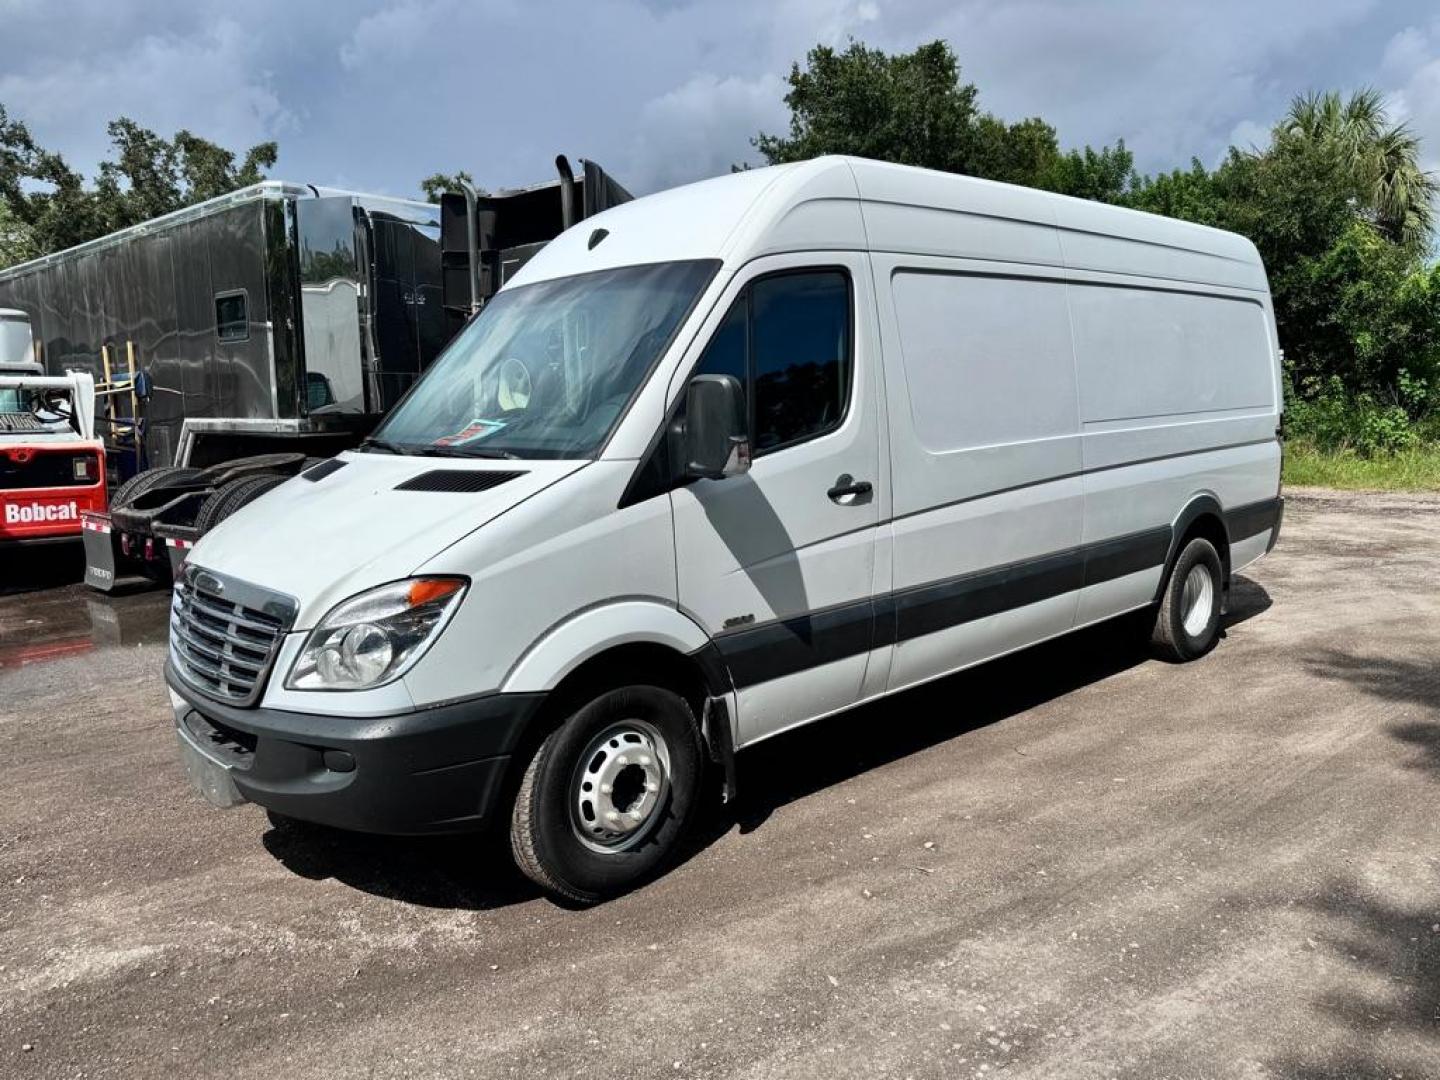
[835, 203]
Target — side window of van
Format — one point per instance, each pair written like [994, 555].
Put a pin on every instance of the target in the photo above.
[787, 339]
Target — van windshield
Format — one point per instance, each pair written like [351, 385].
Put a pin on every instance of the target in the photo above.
[546, 370]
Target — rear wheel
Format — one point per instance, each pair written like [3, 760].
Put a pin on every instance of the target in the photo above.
[1188, 622]
[608, 795]
[233, 496]
[149, 480]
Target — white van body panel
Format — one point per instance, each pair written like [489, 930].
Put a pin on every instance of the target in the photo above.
[567, 551]
[303, 532]
[1042, 390]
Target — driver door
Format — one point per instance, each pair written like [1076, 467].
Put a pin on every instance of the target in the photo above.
[778, 564]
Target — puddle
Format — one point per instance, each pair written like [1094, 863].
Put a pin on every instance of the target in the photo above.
[62, 617]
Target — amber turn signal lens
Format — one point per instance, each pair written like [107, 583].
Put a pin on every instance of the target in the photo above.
[427, 589]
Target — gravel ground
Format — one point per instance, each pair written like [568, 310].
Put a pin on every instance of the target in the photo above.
[1074, 863]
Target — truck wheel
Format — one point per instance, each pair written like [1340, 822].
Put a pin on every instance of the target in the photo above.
[607, 796]
[149, 480]
[1188, 622]
[232, 497]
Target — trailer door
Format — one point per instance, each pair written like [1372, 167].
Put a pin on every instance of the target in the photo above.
[331, 305]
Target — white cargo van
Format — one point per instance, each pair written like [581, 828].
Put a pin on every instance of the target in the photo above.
[720, 462]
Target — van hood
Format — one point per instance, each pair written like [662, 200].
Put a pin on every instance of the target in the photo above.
[322, 541]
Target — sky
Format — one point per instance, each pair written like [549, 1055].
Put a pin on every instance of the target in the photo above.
[376, 94]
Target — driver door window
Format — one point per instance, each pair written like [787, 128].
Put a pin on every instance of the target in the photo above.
[787, 338]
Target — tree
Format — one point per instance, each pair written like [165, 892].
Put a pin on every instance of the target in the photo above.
[1191, 194]
[909, 108]
[17, 241]
[48, 205]
[1380, 159]
[437, 184]
[913, 108]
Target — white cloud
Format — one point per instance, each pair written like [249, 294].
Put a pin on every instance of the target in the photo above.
[1412, 63]
[384, 92]
[213, 83]
[703, 127]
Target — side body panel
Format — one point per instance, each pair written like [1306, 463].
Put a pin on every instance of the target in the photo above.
[772, 567]
[985, 455]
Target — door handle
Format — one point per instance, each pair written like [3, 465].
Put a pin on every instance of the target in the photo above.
[846, 485]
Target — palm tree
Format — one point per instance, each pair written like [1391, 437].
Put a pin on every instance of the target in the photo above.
[1383, 158]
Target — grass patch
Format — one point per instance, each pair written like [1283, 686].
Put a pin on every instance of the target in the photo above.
[1405, 470]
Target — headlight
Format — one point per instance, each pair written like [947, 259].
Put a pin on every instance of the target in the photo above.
[373, 638]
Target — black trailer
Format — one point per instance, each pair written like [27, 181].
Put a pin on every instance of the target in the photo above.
[238, 339]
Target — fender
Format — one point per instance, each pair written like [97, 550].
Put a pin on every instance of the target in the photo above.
[568, 644]
[1198, 506]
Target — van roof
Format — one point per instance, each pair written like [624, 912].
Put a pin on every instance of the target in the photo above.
[844, 203]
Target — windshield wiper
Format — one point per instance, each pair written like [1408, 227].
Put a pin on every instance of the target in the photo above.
[475, 452]
[386, 447]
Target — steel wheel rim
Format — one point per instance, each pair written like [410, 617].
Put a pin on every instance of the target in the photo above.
[620, 787]
[1197, 600]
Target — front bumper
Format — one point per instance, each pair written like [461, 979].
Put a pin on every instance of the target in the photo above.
[432, 770]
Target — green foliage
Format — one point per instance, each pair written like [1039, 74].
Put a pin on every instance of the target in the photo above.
[1192, 194]
[1415, 469]
[1337, 422]
[17, 242]
[912, 108]
[437, 184]
[48, 206]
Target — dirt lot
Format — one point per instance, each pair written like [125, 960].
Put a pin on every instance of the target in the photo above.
[1075, 863]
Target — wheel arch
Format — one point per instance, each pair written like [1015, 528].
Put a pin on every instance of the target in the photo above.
[617, 644]
[616, 629]
[1202, 516]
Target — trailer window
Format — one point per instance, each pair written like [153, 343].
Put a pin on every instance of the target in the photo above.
[232, 317]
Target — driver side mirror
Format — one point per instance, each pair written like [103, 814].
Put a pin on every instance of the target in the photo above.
[716, 443]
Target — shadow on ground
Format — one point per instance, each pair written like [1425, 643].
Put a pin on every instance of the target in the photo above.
[1392, 992]
[1393, 989]
[47, 566]
[1409, 682]
[476, 871]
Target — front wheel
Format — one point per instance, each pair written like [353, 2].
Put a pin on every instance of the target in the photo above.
[1188, 622]
[608, 795]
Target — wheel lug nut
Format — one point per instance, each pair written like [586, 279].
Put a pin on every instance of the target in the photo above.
[644, 761]
[652, 786]
[611, 815]
[635, 815]
[622, 760]
[605, 789]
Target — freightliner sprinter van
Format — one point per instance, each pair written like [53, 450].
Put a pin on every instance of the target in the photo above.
[724, 461]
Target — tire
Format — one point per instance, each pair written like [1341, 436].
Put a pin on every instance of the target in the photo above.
[1194, 589]
[582, 858]
[149, 480]
[233, 496]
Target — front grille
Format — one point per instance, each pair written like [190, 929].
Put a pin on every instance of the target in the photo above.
[221, 647]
